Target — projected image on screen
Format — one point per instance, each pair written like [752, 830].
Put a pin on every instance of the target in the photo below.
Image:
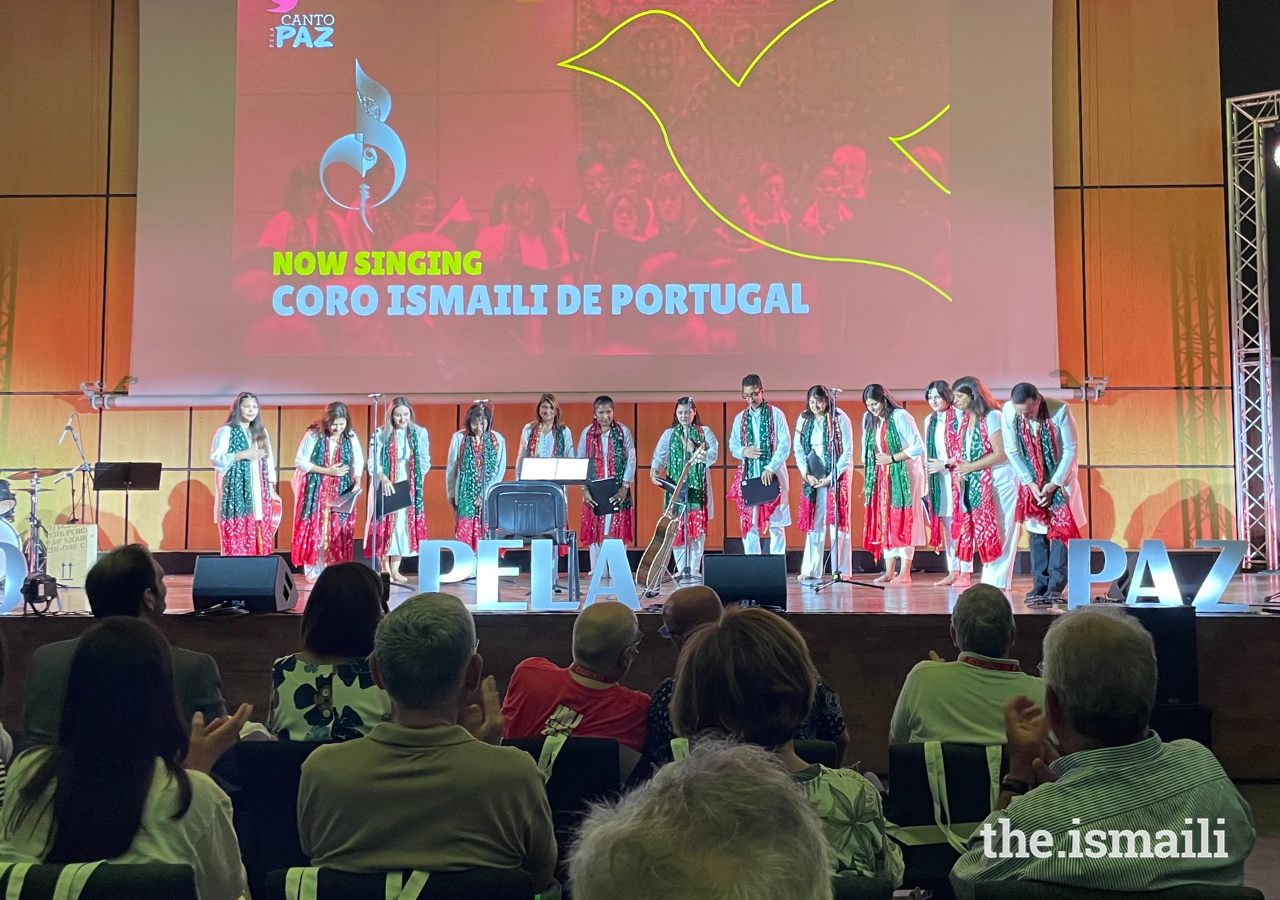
[475, 195]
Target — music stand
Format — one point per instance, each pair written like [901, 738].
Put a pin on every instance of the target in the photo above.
[127, 477]
[563, 471]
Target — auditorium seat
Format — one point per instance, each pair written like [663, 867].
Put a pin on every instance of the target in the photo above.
[857, 887]
[1042, 890]
[586, 770]
[909, 807]
[109, 881]
[822, 752]
[469, 884]
[266, 805]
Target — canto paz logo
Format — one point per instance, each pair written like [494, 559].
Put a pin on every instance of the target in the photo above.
[359, 150]
[314, 30]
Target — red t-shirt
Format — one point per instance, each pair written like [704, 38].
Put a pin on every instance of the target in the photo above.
[543, 698]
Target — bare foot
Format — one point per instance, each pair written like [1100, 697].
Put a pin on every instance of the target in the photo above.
[881, 580]
[962, 581]
[950, 579]
[904, 578]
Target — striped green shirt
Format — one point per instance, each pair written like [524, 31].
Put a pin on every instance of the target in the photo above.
[1100, 798]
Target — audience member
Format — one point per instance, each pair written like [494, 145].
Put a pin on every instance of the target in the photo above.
[585, 699]
[326, 692]
[688, 608]
[430, 790]
[1114, 778]
[126, 582]
[114, 786]
[749, 676]
[964, 700]
[725, 824]
[6, 740]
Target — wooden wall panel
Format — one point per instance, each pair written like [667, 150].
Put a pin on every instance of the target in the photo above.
[123, 175]
[30, 427]
[1070, 279]
[53, 96]
[1152, 109]
[146, 435]
[202, 533]
[1163, 428]
[122, 213]
[1066, 95]
[1156, 292]
[1176, 505]
[156, 518]
[57, 247]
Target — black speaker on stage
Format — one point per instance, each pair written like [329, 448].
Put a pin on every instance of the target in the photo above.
[760, 580]
[260, 584]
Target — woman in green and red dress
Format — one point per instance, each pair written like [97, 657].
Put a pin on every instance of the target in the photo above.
[329, 463]
[246, 506]
[477, 461]
[894, 484]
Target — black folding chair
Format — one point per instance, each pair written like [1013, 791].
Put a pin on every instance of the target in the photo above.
[266, 806]
[109, 881]
[468, 884]
[528, 510]
[822, 752]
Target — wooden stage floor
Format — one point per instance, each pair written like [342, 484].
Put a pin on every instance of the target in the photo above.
[921, 597]
[863, 641]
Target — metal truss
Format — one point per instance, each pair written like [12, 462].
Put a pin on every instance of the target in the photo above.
[1248, 119]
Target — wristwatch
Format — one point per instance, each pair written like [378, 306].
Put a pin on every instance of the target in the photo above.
[1014, 786]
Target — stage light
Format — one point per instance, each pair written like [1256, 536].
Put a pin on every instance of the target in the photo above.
[1276, 155]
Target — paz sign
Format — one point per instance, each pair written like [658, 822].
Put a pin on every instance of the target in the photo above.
[1153, 556]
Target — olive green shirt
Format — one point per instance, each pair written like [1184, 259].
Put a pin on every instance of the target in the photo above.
[432, 799]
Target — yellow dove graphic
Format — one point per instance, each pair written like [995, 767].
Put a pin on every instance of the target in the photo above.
[572, 63]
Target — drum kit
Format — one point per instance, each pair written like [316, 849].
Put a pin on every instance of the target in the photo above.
[33, 547]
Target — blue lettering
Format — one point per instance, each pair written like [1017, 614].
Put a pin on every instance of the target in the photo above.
[283, 33]
[397, 293]
[335, 300]
[675, 299]
[322, 37]
[653, 303]
[479, 301]
[699, 292]
[364, 300]
[304, 38]
[777, 299]
[451, 304]
[591, 300]
[517, 300]
[722, 307]
[568, 300]
[310, 300]
[417, 299]
[621, 297]
[539, 292]
[504, 293]
[797, 306]
[277, 300]
[749, 299]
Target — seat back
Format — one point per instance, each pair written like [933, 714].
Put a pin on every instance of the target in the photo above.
[910, 806]
[103, 881]
[858, 887]
[526, 509]
[266, 806]
[585, 771]
[822, 752]
[468, 884]
[1042, 890]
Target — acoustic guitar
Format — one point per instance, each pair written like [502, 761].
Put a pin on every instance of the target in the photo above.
[653, 565]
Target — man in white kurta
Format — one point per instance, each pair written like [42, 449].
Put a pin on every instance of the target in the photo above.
[757, 464]
[1048, 555]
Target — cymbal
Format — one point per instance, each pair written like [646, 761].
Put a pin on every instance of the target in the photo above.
[31, 474]
[27, 490]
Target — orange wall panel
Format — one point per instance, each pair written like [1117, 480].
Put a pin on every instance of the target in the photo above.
[30, 427]
[1066, 95]
[1070, 280]
[1152, 109]
[1175, 505]
[51, 253]
[146, 435]
[54, 60]
[122, 215]
[157, 519]
[1156, 269]
[1162, 428]
[124, 99]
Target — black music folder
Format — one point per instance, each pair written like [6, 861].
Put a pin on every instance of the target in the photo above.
[345, 504]
[755, 492]
[817, 468]
[602, 491]
[384, 504]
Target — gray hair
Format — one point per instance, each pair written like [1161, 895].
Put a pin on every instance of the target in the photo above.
[1100, 664]
[727, 823]
[983, 621]
[422, 649]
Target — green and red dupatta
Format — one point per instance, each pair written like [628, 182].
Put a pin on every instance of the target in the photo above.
[389, 464]
[1043, 452]
[888, 521]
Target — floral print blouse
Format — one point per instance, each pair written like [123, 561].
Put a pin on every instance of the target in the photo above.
[324, 703]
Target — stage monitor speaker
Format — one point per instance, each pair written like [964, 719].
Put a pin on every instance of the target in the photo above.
[760, 580]
[259, 584]
[1173, 628]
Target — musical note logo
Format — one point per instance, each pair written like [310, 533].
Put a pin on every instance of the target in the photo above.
[359, 150]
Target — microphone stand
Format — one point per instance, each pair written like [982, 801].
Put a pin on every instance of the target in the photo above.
[84, 468]
[833, 557]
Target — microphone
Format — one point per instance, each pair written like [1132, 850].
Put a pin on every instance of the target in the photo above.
[65, 428]
[836, 391]
[376, 396]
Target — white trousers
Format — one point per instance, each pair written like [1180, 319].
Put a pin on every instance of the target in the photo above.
[815, 542]
[949, 546]
[999, 572]
[777, 540]
[907, 553]
[694, 551]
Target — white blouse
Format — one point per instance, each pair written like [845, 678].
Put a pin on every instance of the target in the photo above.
[308, 447]
[606, 448]
[422, 445]
[820, 445]
[203, 838]
[546, 446]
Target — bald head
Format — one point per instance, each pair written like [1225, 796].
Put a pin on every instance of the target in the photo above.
[688, 608]
[602, 633]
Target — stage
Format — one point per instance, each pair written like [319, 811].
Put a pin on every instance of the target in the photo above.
[864, 641]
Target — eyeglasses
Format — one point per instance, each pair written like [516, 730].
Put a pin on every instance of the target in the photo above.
[751, 395]
[636, 645]
[662, 632]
